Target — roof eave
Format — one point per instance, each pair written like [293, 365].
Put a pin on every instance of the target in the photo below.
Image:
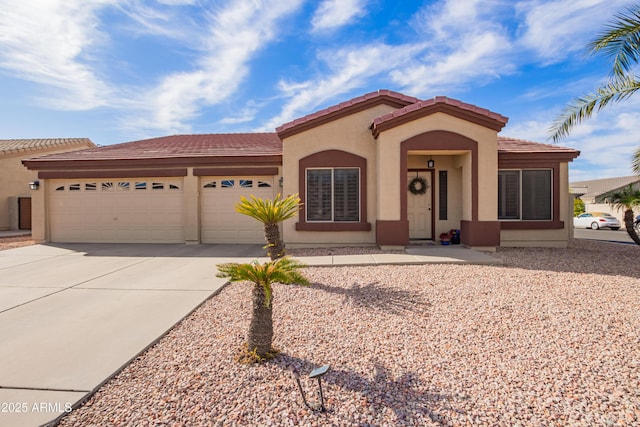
[496, 124]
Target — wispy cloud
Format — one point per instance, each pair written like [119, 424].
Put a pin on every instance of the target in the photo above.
[553, 30]
[234, 34]
[49, 42]
[349, 68]
[336, 13]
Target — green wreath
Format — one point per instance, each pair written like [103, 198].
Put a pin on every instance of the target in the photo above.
[418, 185]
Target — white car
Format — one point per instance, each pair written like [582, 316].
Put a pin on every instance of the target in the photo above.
[596, 221]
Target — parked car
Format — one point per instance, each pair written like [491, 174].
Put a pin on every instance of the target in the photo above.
[596, 221]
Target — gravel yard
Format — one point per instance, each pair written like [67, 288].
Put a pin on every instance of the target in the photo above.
[551, 337]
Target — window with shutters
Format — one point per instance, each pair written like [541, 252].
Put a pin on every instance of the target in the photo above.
[525, 195]
[333, 195]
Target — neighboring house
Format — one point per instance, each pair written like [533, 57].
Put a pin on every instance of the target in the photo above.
[353, 165]
[15, 196]
[595, 193]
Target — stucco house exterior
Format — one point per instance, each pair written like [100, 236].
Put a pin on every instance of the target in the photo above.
[15, 197]
[381, 169]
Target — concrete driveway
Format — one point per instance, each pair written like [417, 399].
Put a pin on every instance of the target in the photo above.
[72, 315]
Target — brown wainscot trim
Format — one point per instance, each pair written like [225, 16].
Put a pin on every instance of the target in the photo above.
[234, 171]
[392, 233]
[332, 159]
[333, 226]
[271, 160]
[142, 173]
[532, 225]
[480, 233]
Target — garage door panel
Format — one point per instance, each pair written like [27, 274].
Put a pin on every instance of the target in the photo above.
[219, 220]
[114, 211]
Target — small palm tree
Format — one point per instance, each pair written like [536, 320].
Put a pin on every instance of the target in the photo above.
[263, 276]
[271, 213]
[627, 199]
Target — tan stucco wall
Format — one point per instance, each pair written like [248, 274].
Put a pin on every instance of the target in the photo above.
[15, 178]
[350, 134]
[388, 206]
[546, 238]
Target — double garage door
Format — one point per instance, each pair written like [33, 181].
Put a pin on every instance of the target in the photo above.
[152, 210]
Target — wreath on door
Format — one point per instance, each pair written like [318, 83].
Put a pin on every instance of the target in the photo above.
[418, 185]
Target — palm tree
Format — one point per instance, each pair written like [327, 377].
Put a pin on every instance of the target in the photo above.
[263, 276]
[619, 41]
[627, 199]
[271, 213]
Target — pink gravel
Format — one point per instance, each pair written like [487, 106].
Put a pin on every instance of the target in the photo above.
[551, 337]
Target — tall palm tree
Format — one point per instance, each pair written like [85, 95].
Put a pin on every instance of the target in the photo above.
[263, 276]
[626, 199]
[620, 41]
[271, 213]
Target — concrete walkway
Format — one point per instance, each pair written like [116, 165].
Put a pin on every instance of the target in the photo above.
[72, 315]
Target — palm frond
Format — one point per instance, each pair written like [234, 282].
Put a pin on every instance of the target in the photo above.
[620, 41]
[635, 162]
[269, 211]
[583, 107]
[284, 270]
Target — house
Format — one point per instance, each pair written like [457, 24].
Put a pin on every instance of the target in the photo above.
[15, 197]
[596, 193]
[380, 169]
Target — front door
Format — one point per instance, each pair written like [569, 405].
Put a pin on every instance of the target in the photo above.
[419, 204]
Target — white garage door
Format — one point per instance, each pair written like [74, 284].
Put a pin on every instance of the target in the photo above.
[220, 222]
[140, 210]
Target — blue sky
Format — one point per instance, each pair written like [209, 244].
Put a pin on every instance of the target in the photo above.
[121, 70]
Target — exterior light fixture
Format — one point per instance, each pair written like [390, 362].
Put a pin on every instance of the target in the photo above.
[281, 181]
[431, 163]
[34, 185]
[316, 373]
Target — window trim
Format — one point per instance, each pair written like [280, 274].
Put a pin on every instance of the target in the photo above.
[333, 159]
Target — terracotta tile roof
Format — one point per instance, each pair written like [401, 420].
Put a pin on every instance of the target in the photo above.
[395, 99]
[439, 104]
[10, 146]
[180, 146]
[514, 145]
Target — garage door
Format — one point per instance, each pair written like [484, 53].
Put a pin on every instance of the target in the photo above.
[219, 220]
[141, 210]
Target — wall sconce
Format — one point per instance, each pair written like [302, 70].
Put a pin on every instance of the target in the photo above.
[281, 181]
[316, 373]
[431, 163]
[34, 185]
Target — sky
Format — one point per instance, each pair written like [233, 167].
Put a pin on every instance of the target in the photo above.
[122, 70]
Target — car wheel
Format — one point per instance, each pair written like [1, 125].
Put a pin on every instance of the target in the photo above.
[594, 226]
[615, 228]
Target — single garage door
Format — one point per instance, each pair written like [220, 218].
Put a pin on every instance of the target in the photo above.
[140, 210]
[219, 221]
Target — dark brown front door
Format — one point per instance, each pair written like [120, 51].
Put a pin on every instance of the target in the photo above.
[24, 213]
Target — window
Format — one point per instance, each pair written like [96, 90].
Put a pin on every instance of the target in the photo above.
[141, 186]
[123, 185]
[227, 183]
[211, 184]
[333, 195]
[246, 183]
[442, 196]
[524, 195]
[90, 186]
[74, 187]
[157, 186]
